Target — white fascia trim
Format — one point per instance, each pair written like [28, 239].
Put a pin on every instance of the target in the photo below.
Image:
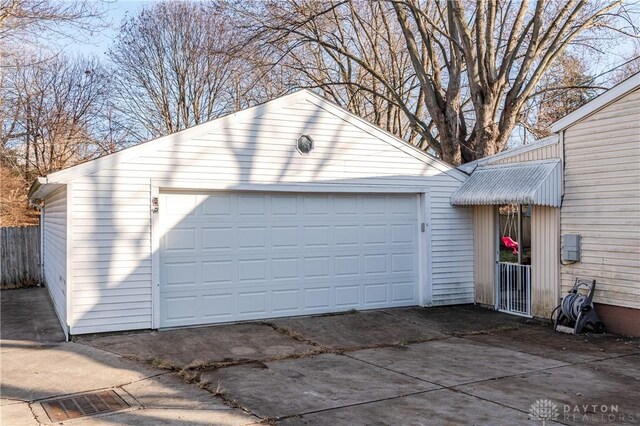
[111, 160]
[519, 164]
[41, 189]
[385, 136]
[604, 99]
[325, 187]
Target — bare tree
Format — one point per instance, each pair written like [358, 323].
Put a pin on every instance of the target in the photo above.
[297, 63]
[564, 88]
[26, 22]
[57, 103]
[172, 67]
[477, 65]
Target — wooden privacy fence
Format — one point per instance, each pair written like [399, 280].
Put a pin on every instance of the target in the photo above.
[20, 256]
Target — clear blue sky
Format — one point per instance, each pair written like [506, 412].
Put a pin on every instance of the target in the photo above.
[99, 41]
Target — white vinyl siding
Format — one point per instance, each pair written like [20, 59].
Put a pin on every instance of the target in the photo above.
[112, 219]
[54, 251]
[602, 200]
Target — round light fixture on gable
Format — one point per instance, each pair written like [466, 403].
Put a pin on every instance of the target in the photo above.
[304, 144]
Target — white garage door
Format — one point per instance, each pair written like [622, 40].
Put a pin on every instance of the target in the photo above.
[239, 256]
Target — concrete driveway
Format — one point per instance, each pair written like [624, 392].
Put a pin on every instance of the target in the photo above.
[454, 365]
[36, 366]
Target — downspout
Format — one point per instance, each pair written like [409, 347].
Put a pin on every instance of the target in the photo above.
[562, 155]
[41, 283]
[559, 229]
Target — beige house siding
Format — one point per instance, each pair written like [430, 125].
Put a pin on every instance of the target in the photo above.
[543, 153]
[545, 269]
[601, 201]
[485, 248]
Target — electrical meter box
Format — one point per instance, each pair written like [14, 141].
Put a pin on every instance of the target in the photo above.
[571, 247]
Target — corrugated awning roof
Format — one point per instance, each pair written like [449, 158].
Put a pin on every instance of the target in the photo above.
[531, 182]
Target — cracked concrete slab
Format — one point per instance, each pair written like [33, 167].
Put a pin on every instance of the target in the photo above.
[322, 388]
[443, 407]
[628, 365]
[356, 330]
[186, 347]
[17, 414]
[460, 320]
[168, 391]
[454, 361]
[29, 374]
[570, 386]
[289, 387]
[28, 318]
[543, 341]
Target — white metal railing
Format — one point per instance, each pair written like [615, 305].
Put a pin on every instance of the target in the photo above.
[514, 288]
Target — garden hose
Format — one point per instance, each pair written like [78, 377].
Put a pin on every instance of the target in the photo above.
[572, 305]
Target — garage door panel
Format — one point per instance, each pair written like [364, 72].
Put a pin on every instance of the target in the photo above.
[251, 205]
[252, 270]
[403, 234]
[316, 267]
[404, 205]
[252, 302]
[345, 205]
[217, 205]
[180, 274]
[317, 298]
[180, 239]
[218, 272]
[316, 236]
[376, 294]
[346, 235]
[285, 268]
[216, 307]
[179, 308]
[286, 301]
[403, 263]
[375, 264]
[239, 256]
[252, 238]
[347, 265]
[315, 205]
[403, 291]
[217, 238]
[348, 296]
[284, 206]
[374, 235]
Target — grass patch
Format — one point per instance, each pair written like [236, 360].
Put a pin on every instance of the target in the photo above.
[162, 363]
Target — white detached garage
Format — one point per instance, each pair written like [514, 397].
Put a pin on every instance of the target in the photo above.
[236, 219]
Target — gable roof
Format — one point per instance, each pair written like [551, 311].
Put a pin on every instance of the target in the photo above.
[616, 92]
[43, 186]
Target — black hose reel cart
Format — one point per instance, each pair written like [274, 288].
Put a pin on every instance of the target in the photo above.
[576, 312]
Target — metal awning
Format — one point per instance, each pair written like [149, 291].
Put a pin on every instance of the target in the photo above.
[531, 182]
